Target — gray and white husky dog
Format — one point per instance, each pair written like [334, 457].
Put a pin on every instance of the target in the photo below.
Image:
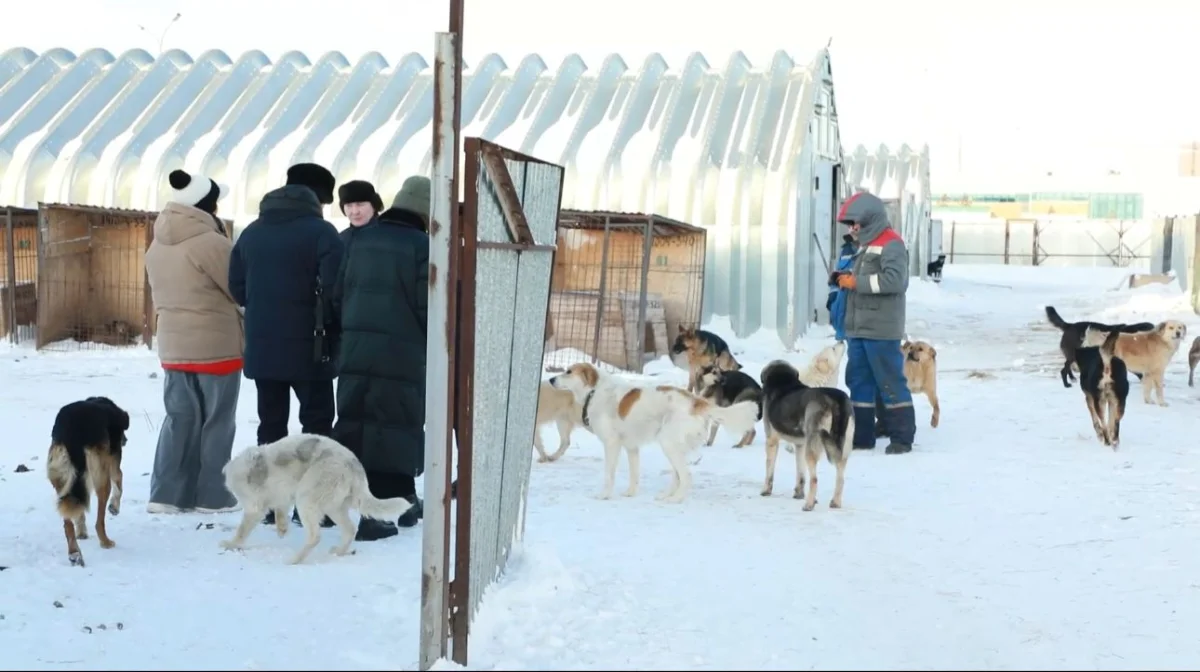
[813, 419]
[317, 474]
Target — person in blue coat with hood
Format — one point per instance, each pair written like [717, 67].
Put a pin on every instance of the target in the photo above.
[836, 305]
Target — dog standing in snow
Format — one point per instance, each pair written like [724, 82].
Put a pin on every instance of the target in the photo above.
[624, 415]
[319, 475]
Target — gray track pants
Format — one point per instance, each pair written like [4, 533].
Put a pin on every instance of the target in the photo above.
[195, 440]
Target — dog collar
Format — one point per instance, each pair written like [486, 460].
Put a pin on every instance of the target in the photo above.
[587, 401]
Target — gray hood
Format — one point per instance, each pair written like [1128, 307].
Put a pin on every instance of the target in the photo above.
[867, 210]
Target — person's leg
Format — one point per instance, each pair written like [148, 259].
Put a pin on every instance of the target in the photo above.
[317, 407]
[175, 458]
[861, 384]
[220, 395]
[887, 366]
[274, 407]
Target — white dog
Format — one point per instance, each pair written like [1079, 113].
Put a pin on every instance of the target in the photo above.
[823, 369]
[629, 416]
[319, 475]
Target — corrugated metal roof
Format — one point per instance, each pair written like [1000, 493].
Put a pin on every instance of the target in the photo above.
[722, 146]
[105, 130]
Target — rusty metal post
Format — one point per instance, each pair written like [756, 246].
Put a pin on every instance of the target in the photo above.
[1007, 238]
[602, 289]
[1036, 242]
[148, 316]
[439, 366]
[953, 226]
[647, 246]
[10, 306]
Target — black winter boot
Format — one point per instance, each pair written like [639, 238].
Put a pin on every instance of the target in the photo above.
[903, 425]
[269, 519]
[864, 428]
[414, 515]
[370, 529]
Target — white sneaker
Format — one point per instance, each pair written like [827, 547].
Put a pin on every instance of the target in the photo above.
[155, 507]
[228, 509]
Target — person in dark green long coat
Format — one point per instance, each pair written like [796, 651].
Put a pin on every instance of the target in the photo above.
[382, 296]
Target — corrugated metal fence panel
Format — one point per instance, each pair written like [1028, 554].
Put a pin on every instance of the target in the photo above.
[715, 146]
[900, 178]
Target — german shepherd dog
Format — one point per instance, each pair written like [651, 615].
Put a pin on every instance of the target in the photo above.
[811, 418]
[1076, 335]
[726, 388]
[85, 455]
[695, 348]
[1104, 380]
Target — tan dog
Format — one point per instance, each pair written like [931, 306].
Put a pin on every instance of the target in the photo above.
[1149, 352]
[1193, 359]
[920, 370]
[557, 406]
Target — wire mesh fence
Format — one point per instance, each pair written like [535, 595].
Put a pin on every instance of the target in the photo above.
[622, 284]
[18, 281]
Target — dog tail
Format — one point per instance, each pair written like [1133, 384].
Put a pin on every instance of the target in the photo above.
[380, 509]
[737, 418]
[1110, 344]
[1055, 318]
[66, 467]
[841, 428]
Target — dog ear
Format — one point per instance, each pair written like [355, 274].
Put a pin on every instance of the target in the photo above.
[682, 330]
[932, 353]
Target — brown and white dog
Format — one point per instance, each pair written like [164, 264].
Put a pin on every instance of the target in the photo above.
[1148, 354]
[85, 456]
[920, 370]
[626, 415]
[557, 406]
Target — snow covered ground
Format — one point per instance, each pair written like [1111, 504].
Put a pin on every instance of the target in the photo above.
[1009, 539]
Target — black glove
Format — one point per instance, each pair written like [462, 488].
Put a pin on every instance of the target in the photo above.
[833, 277]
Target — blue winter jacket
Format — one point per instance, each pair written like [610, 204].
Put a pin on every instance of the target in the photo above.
[837, 305]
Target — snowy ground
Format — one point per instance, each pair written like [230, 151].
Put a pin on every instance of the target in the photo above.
[1009, 539]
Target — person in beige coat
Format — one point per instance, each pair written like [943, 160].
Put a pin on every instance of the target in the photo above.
[200, 343]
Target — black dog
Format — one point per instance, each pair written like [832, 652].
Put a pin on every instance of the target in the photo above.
[1073, 334]
[1105, 384]
[85, 457]
[934, 268]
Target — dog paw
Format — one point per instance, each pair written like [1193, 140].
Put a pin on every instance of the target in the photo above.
[76, 559]
[809, 507]
[1163, 404]
[797, 494]
[632, 492]
[835, 504]
[543, 458]
[114, 509]
[230, 545]
[81, 534]
[766, 492]
[107, 543]
[604, 495]
[340, 552]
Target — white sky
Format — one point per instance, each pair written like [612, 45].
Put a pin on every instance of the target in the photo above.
[1023, 86]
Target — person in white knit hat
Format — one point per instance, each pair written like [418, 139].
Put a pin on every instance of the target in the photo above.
[200, 345]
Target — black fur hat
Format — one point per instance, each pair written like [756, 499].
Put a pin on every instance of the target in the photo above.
[315, 177]
[359, 191]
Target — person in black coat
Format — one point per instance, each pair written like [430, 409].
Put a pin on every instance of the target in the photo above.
[282, 271]
[382, 296]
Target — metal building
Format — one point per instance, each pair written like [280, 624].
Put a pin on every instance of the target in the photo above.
[750, 151]
[900, 178]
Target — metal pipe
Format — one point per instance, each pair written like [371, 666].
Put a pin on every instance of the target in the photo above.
[441, 338]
